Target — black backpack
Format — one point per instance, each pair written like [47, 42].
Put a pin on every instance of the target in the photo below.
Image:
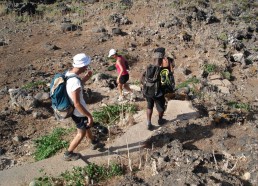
[167, 81]
[151, 81]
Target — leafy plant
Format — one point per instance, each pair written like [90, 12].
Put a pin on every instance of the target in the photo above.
[193, 80]
[44, 181]
[137, 82]
[208, 68]
[48, 145]
[109, 5]
[78, 9]
[97, 173]
[248, 62]
[110, 113]
[93, 171]
[112, 67]
[124, 5]
[114, 170]
[75, 177]
[226, 75]
[238, 105]
[22, 18]
[32, 85]
[223, 36]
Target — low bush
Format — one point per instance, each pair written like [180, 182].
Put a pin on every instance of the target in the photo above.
[186, 83]
[81, 176]
[239, 105]
[33, 85]
[110, 114]
[208, 68]
[48, 145]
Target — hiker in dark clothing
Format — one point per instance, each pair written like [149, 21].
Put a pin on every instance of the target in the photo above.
[158, 99]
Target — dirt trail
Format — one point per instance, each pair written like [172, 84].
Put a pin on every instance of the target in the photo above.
[133, 138]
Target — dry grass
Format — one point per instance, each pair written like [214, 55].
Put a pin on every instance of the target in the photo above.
[2, 9]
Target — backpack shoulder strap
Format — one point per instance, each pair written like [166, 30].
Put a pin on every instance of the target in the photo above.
[71, 76]
[150, 69]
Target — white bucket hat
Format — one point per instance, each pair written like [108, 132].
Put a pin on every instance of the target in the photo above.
[81, 60]
[111, 52]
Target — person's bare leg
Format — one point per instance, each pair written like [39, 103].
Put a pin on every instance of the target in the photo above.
[161, 114]
[77, 139]
[127, 87]
[120, 89]
[89, 135]
[149, 115]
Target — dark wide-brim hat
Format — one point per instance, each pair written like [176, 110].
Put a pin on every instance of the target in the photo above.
[158, 55]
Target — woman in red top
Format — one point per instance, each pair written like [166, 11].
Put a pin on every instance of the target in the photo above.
[123, 75]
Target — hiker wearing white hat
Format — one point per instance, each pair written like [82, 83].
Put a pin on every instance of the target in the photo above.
[123, 75]
[81, 116]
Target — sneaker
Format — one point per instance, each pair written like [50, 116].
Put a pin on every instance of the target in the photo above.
[161, 121]
[120, 98]
[150, 127]
[132, 96]
[71, 156]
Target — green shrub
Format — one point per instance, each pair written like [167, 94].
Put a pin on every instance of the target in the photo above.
[238, 105]
[111, 113]
[226, 75]
[94, 172]
[48, 145]
[32, 85]
[137, 82]
[124, 6]
[248, 62]
[75, 177]
[78, 176]
[223, 36]
[193, 80]
[109, 5]
[208, 68]
[111, 68]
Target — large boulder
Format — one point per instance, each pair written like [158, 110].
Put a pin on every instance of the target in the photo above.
[20, 100]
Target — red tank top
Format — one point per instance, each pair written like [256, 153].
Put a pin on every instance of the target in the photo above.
[123, 66]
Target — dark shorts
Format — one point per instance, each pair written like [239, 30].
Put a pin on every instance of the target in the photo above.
[81, 122]
[124, 78]
[159, 102]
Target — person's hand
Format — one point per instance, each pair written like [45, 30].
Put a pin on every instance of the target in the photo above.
[90, 121]
[87, 76]
[117, 81]
[89, 73]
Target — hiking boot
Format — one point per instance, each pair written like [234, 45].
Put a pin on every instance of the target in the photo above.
[71, 156]
[150, 127]
[161, 121]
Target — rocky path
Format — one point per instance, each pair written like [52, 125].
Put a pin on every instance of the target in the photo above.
[132, 140]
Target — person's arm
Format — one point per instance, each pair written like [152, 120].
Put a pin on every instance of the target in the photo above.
[77, 104]
[171, 64]
[121, 69]
[86, 77]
